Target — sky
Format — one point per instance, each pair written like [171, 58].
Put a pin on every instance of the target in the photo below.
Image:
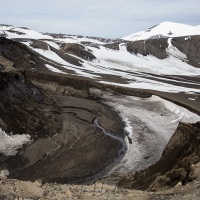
[102, 18]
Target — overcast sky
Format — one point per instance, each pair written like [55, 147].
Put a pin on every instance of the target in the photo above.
[104, 18]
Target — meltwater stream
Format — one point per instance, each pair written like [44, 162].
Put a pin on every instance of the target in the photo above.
[123, 149]
[121, 153]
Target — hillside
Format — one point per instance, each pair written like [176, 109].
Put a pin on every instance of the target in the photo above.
[110, 113]
[147, 64]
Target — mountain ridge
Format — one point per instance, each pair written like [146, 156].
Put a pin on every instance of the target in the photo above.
[163, 30]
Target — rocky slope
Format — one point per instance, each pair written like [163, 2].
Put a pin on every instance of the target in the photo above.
[57, 124]
[159, 48]
[176, 164]
[70, 95]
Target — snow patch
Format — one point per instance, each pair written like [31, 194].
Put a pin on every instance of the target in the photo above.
[53, 69]
[13, 32]
[128, 128]
[173, 51]
[151, 122]
[192, 99]
[4, 173]
[126, 62]
[53, 44]
[9, 144]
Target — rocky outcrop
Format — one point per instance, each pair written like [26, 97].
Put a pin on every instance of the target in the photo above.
[7, 68]
[190, 46]
[68, 58]
[16, 32]
[23, 108]
[40, 45]
[20, 55]
[155, 47]
[24, 57]
[77, 50]
[175, 165]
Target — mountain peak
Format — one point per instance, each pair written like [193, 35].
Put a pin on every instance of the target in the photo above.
[163, 30]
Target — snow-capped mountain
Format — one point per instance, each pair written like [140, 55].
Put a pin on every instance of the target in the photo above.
[118, 62]
[73, 107]
[164, 29]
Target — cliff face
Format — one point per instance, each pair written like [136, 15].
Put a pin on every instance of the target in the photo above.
[23, 107]
[190, 46]
[156, 47]
[175, 165]
[77, 50]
